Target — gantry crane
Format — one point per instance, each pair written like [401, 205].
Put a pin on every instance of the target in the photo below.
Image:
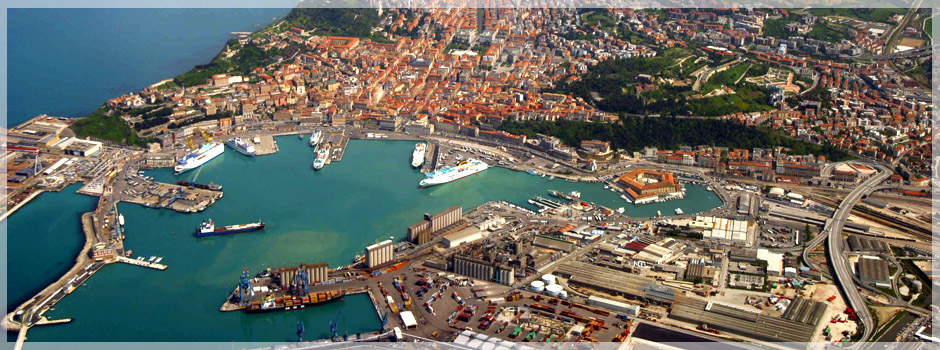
[244, 288]
[334, 324]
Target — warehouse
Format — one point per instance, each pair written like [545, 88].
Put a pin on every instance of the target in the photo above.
[874, 271]
[860, 244]
[750, 323]
[614, 305]
[466, 235]
[615, 282]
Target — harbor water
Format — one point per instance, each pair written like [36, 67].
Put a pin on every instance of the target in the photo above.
[311, 216]
[43, 239]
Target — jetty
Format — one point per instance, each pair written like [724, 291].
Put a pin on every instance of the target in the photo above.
[141, 263]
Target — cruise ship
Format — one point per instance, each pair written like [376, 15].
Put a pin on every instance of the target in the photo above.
[459, 171]
[417, 157]
[199, 157]
[322, 154]
[241, 146]
[315, 138]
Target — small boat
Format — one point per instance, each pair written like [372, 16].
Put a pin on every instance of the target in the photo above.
[551, 177]
[620, 210]
[128, 253]
[152, 258]
[679, 211]
[158, 260]
[300, 136]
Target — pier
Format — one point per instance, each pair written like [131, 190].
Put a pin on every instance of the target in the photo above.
[338, 141]
[431, 155]
[141, 263]
[266, 146]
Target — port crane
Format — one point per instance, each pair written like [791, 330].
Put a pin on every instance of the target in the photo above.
[334, 324]
[205, 135]
[300, 332]
[244, 288]
[302, 281]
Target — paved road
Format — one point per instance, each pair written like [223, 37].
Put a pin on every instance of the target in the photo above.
[836, 245]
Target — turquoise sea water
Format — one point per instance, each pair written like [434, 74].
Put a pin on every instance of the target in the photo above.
[43, 238]
[326, 216]
[67, 62]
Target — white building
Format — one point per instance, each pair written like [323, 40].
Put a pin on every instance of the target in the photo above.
[466, 235]
[379, 253]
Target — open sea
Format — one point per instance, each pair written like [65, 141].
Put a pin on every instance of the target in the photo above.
[67, 62]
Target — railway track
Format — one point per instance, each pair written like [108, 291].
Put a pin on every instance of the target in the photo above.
[887, 220]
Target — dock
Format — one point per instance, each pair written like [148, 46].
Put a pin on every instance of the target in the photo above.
[339, 141]
[266, 146]
[171, 196]
[141, 263]
[431, 155]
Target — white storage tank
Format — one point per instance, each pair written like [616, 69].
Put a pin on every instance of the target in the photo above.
[549, 279]
[537, 286]
[553, 290]
[563, 295]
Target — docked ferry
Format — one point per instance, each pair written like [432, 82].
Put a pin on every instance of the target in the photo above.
[208, 228]
[201, 156]
[322, 154]
[241, 146]
[459, 171]
[315, 138]
[417, 157]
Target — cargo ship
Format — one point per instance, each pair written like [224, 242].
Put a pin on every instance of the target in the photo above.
[273, 303]
[459, 171]
[208, 228]
[417, 157]
[201, 156]
[322, 154]
[210, 186]
[241, 146]
[315, 138]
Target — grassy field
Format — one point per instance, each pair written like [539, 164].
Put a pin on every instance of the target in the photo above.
[880, 15]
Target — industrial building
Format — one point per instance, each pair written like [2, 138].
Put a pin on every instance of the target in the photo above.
[553, 243]
[874, 271]
[466, 235]
[424, 230]
[657, 252]
[77, 147]
[721, 229]
[315, 273]
[379, 253]
[615, 282]
[797, 324]
[629, 309]
[859, 244]
[484, 270]
[774, 261]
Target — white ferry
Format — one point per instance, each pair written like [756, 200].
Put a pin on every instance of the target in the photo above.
[459, 171]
